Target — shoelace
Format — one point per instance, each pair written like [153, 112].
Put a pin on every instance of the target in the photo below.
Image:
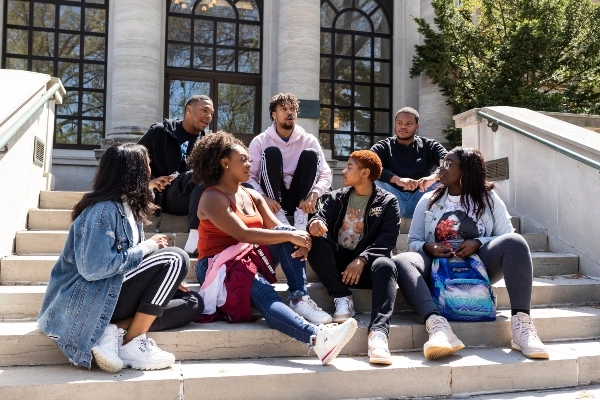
[378, 339]
[527, 329]
[342, 304]
[438, 326]
[313, 305]
[149, 344]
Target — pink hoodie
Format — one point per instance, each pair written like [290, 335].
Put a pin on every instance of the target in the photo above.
[290, 150]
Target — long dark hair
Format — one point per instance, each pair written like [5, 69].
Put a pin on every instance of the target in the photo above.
[123, 171]
[474, 185]
[205, 158]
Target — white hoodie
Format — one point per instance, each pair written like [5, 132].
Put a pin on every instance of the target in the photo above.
[290, 151]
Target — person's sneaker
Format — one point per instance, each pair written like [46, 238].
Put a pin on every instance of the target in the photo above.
[442, 341]
[309, 310]
[106, 351]
[525, 338]
[280, 215]
[331, 339]
[344, 309]
[143, 353]
[378, 348]
[192, 242]
[300, 219]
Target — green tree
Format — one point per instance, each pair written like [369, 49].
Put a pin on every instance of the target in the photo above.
[538, 54]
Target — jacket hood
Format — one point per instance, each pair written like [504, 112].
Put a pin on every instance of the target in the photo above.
[170, 125]
[297, 133]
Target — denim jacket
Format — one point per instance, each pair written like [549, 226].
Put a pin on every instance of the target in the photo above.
[86, 281]
[422, 228]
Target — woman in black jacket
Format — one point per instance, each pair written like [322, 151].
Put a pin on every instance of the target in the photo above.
[353, 236]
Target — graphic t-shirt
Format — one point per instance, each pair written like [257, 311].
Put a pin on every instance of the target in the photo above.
[456, 225]
[186, 144]
[354, 221]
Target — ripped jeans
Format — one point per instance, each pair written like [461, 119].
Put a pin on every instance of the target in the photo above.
[265, 299]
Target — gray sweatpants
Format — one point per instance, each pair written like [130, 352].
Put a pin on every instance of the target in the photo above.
[506, 256]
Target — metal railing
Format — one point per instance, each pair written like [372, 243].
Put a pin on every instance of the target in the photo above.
[553, 146]
[20, 123]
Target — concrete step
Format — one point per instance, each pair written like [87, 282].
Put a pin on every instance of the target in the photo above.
[59, 200]
[22, 343]
[536, 242]
[469, 371]
[33, 269]
[19, 302]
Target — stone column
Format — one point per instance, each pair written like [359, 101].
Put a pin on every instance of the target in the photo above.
[134, 86]
[406, 89]
[298, 57]
[435, 114]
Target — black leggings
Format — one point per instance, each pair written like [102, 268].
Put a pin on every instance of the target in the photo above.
[151, 288]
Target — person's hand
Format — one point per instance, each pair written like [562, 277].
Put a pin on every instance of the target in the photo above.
[301, 239]
[405, 183]
[272, 204]
[437, 250]
[301, 252]
[467, 248]
[161, 240]
[352, 273]
[426, 182]
[183, 287]
[309, 204]
[317, 228]
[162, 182]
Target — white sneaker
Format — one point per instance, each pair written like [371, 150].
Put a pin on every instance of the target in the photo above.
[106, 351]
[192, 242]
[280, 215]
[300, 219]
[344, 309]
[143, 353]
[525, 338]
[331, 339]
[309, 310]
[378, 348]
[442, 341]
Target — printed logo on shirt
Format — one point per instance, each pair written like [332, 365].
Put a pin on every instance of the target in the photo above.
[184, 147]
[375, 211]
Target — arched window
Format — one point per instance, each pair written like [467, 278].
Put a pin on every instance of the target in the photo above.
[214, 48]
[66, 39]
[356, 74]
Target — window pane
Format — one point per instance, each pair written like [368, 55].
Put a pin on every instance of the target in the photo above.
[69, 74]
[70, 18]
[366, 5]
[342, 145]
[220, 9]
[181, 6]
[18, 12]
[382, 122]
[362, 71]
[248, 10]
[225, 34]
[203, 32]
[16, 63]
[203, 57]
[95, 20]
[92, 104]
[382, 72]
[343, 69]
[178, 55]
[343, 45]
[382, 97]
[70, 105]
[249, 36]
[43, 67]
[93, 76]
[341, 120]
[93, 48]
[341, 4]
[362, 46]
[362, 142]
[43, 15]
[353, 21]
[95, 1]
[343, 94]
[92, 132]
[68, 45]
[325, 93]
[377, 138]
[236, 108]
[180, 91]
[180, 29]
[327, 16]
[66, 131]
[326, 42]
[16, 41]
[325, 119]
[43, 44]
[225, 60]
[325, 140]
[382, 48]
[380, 22]
[362, 121]
[249, 62]
[362, 96]
[325, 68]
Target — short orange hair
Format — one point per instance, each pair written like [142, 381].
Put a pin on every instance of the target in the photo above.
[368, 159]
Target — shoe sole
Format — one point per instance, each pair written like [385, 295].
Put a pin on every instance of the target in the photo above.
[145, 367]
[377, 360]
[104, 364]
[333, 354]
[340, 320]
[432, 353]
[541, 355]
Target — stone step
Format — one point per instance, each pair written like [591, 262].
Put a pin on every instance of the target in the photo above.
[19, 302]
[33, 269]
[59, 200]
[470, 371]
[22, 343]
[536, 242]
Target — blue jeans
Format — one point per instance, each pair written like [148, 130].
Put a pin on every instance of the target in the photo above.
[406, 200]
[264, 298]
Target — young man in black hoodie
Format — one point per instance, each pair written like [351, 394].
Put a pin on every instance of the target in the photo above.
[169, 143]
[353, 236]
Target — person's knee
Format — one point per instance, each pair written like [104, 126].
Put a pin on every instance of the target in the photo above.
[383, 266]
[308, 156]
[406, 260]
[273, 154]
[513, 242]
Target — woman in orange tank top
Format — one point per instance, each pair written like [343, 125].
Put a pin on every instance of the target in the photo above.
[230, 214]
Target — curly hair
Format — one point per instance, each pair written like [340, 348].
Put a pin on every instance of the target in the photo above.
[205, 158]
[369, 159]
[282, 99]
[474, 186]
[122, 172]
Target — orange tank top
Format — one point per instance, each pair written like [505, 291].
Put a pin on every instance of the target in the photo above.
[212, 240]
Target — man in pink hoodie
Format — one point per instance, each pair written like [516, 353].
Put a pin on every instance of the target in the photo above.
[276, 155]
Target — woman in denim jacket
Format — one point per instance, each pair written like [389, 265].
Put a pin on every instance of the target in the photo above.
[110, 286]
[465, 210]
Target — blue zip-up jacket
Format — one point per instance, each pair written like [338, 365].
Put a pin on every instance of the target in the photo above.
[86, 281]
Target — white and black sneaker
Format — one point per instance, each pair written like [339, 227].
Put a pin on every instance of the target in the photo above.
[143, 353]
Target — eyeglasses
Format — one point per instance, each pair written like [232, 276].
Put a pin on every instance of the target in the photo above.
[446, 164]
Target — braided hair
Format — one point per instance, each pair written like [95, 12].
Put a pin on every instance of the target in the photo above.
[205, 158]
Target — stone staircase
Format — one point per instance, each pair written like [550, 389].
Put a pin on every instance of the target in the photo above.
[252, 361]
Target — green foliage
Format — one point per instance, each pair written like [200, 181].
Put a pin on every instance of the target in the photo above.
[454, 136]
[538, 54]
